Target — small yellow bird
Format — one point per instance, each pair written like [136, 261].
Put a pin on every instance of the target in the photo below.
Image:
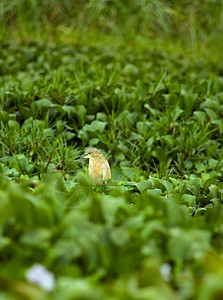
[99, 169]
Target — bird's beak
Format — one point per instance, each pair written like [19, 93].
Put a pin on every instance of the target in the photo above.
[82, 156]
[77, 157]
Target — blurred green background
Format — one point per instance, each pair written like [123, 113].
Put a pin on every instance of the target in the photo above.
[190, 25]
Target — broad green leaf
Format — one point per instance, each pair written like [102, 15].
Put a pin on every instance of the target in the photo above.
[140, 89]
[200, 167]
[4, 116]
[154, 112]
[189, 101]
[214, 191]
[168, 185]
[38, 237]
[95, 126]
[40, 105]
[190, 199]
[13, 124]
[219, 123]
[197, 182]
[211, 114]
[119, 236]
[65, 250]
[146, 184]
[68, 135]
[154, 192]
[201, 116]
[209, 182]
[131, 173]
[4, 242]
[130, 69]
[93, 141]
[79, 288]
[109, 207]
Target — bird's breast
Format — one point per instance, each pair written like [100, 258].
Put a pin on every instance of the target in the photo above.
[99, 170]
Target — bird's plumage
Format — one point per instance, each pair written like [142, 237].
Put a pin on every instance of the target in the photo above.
[99, 169]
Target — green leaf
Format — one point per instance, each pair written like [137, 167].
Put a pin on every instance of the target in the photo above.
[189, 101]
[184, 245]
[190, 199]
[38, 237]
[70, 110]
[48, 132]
[94, 141]
[82, 99]
[109, 207]
[79, 288]
[4, 116]
[131, 173]
[168, 185]
[199, 210]
[209, 182]
[214, 191]
[140, 89]
[64, 250]
[13, 125]
[201, 116]
[220, 125]
[81, 114]
[177, 112]
[41, 105]
[200, 167]
[154, 112]
[4, 242]
[154, 192]
[95, 126]
[143, 185]
[119, 236]
[68, 135]
[211, 114]
[130, 69]
[197, 182]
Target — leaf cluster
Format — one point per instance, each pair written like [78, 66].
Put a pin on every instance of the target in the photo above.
[135, 240]
[160, 114]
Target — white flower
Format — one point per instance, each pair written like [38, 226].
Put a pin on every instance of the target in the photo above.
[165, 271]
[39, 275]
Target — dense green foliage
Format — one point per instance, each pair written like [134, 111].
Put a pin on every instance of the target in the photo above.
[93, 76]
[114, 242]
[159, 113]
[194, 20]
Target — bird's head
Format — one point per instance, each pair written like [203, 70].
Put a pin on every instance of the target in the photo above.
[91, 153]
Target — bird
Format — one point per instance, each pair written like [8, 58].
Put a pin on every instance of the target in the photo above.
[99, 168]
